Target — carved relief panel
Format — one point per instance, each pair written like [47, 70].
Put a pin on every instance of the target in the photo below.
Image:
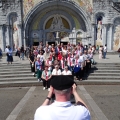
[116, 39]
[116, 42]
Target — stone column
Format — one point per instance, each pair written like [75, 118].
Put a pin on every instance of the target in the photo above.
[110, 38]
[94, 34]
[1, 38]
[74, 36]
[40, 35]
[11, 36]
[20, 35]
[8, 35]
[44, 37]
[24, 39]
[104, 34]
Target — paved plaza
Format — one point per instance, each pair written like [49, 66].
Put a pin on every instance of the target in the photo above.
[20, 103]
[31, 23]
[110, 58]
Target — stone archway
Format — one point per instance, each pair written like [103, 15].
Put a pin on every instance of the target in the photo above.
[78, 17]
[58, 28]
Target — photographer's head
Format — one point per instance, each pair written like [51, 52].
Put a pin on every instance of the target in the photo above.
[62, 86]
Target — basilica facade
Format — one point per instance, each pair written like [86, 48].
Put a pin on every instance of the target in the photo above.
[90, 22]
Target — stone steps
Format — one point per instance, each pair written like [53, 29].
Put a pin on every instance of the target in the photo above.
[106, 68]
[103, 78]
[15, 69]
[105, 71]
[15, 75]
[15, 66]
[20, 83]
[20, 75]
[104, 74]
[28, 78]
[15, 72]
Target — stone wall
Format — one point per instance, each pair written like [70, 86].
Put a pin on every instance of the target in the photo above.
[109, 15]
[93, 9]
[8, 10]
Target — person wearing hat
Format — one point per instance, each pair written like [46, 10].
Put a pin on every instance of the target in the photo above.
[62, 108]
[46, 76]
[56, 71]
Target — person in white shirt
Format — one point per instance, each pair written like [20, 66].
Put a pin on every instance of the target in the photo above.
[66, 71]
[6, 49]
[82, 60]
[40, 55]
[87, 61]
[49, 62]
[62, 108]
[56, 71]
[46, 76]
[104, 51]
[64, 50]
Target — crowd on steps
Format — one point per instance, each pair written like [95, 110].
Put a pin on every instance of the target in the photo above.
[49, 60]
[55, 59]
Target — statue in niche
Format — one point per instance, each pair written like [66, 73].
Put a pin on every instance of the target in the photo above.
[15, 32]
[99, 30]
[116, 42]
[99, 33]
[57, 23]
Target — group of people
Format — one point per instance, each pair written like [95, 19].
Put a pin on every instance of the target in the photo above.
[60, 59]
[9, 53]
[21, 52]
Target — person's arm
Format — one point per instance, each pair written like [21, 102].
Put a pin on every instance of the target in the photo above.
[77, 97]
[47, 101]
[30, 60]
[50, 76]
[35, 66]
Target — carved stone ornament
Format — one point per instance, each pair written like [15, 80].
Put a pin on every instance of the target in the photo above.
[57, 23]
[5, 4]
[99, 4]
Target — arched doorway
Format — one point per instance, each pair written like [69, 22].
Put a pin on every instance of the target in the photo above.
[99, 29]
[39, 22]
[57, 29]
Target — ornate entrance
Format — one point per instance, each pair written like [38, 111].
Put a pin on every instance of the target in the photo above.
[58, 29]
[58, 22]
